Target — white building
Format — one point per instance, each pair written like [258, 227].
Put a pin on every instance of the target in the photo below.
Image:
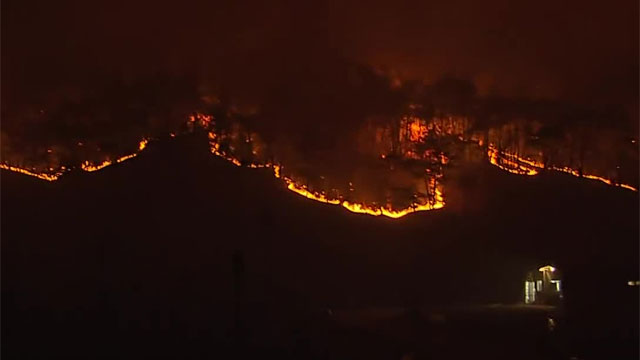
[543, 286]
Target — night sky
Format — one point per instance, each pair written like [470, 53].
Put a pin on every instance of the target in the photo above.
[579, 51]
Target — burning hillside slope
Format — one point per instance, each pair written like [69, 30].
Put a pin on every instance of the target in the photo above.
[417, 149]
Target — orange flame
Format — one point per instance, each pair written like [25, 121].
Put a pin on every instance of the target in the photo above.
[510, 162]
[89, 167]
[43, 176]
[358, 207]
[523, 166]
[86, 166]
[416, 132]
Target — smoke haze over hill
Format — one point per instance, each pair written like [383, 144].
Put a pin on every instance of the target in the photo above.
[260, 52]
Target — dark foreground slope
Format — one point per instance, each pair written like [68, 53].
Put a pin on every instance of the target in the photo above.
[137, 261]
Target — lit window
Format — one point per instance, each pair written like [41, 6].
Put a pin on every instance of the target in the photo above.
[529, 292]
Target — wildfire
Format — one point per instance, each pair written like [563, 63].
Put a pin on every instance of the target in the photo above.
[523, 166]
[417, 130]
[200, 119]
[43, 176]
[358, 207]
[302, 190]
[414, 130]
[215, 149]
[363, 209]
[510, 162]
[86, 166]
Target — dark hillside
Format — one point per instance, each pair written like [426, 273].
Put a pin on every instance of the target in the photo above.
[137, 259]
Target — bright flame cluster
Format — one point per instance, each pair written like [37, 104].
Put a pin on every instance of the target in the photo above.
[357, 207]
